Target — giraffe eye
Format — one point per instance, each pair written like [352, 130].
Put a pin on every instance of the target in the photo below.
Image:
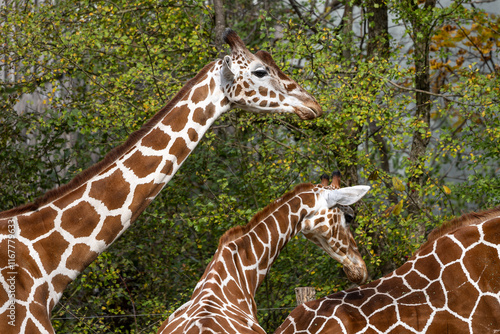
[348, 218]
[260, 73]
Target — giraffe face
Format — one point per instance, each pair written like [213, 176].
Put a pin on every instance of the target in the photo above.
[255, 83]
[329, 228]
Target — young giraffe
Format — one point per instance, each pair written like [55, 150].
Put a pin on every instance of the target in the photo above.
[46, 244]
[223, 300]
[450, 285]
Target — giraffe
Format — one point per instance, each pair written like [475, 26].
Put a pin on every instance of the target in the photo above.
[44, 245]
[223, 300]
[450, 285]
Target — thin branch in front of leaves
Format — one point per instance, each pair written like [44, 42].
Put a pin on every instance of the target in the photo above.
[446, 97]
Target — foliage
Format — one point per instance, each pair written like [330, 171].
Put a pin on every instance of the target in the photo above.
[94, 71]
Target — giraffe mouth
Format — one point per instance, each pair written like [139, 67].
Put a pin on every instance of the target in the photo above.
[309, 111]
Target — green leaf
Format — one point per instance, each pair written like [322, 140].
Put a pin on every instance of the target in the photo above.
[397, 208]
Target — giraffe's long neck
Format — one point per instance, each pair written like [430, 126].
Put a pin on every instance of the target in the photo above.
[62, 237]
[243, 263]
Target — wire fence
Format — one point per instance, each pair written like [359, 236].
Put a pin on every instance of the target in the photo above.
[165, 315]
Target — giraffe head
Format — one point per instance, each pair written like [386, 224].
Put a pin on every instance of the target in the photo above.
[254, 82]
[329, 228]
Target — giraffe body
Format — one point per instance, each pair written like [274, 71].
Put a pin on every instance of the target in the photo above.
[56, 237]
[450, 285]
[223, 300]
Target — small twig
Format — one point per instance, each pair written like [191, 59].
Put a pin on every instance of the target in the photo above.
[446, 97]
[131, 299]
[80, 319]
[160, 95]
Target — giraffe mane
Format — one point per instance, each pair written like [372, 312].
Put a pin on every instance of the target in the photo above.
[451, 226]
[111, 156]
[238, 231]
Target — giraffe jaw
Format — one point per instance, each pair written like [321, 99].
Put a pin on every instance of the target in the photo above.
[355, 270]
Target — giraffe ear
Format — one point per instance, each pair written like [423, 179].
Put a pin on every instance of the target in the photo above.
[346, 196]
[227, 74]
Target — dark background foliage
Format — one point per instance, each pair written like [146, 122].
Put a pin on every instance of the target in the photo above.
[410, 90]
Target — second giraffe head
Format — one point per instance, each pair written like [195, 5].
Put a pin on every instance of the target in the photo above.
[329, 227]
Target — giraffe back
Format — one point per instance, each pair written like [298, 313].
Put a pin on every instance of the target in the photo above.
[450, 285]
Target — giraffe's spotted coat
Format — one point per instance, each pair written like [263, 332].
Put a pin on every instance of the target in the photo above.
[57, 236]
[451, 285]
[223, 300]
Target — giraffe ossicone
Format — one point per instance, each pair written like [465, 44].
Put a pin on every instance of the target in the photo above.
[61, 233]
[223, 300]
[450, 285]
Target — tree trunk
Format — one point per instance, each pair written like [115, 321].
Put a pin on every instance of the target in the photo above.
[350, 171]
[378, 29]
[378, 46]
[220, 25]
[421, 137]
[304, 294]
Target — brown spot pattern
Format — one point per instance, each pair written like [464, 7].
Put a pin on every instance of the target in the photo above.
[71, 197]
[141, 193]
[180, 150]
[60, 282]
[464, 283]
[168, 168]
[224, 101]
[51, 249]
[482, 264]
[156, 139]
[212, 85]
[80, 220]
[80, 257]
[200, 94]
[112, 199]
[177, 118]
[112, 226]
[193, 135]
[36, 224]
[142, 165]
[429, 267]
[238, 90]
[201, 115]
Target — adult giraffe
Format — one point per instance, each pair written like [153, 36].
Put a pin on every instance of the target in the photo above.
[450, 285]
[223, 300]
[44, 245]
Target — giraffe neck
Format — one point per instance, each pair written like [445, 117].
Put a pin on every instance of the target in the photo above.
[63, 236]
[138, 175]
[244, 260]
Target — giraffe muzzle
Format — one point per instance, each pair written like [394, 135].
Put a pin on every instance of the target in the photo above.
[356, 272]
[309, 112]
